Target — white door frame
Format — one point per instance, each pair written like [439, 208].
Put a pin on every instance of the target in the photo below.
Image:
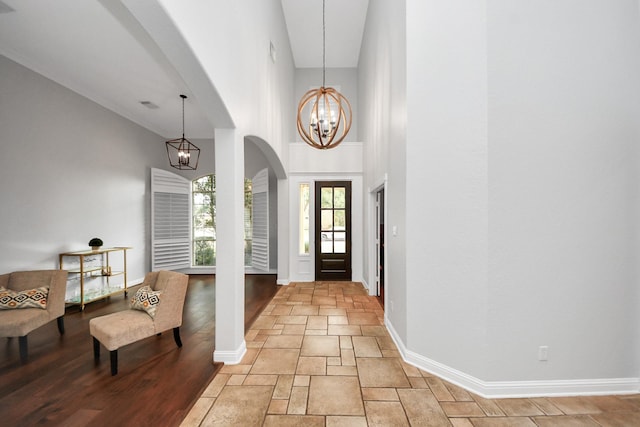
[302, 267]
[373, 233]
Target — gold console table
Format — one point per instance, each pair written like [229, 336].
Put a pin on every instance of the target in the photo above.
[102, 268]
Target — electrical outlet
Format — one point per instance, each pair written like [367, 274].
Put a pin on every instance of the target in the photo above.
[391, 304]
[543, 353]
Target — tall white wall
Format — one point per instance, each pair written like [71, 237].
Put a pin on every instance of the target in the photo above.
[231, 40]
[563, 141]
[381, 128]
[446, 203]
[521, 189]
[71, 170]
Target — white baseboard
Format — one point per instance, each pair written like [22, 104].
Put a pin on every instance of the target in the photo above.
[283, 282]
[232, 357]
[251, 270]
[587, 387]
[366, 286]
[511, 389]
[212, 270]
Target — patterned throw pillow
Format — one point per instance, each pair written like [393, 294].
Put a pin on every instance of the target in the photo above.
[30, 298]
[147, 300]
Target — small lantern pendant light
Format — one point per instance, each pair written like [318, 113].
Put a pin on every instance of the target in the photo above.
[328, 111]
[182, 153]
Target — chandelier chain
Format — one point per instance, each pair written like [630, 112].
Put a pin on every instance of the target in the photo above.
[182, 153]
[323, 46]
[328, 112]
[183, 97]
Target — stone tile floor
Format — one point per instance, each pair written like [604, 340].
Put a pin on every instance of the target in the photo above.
[319, 355]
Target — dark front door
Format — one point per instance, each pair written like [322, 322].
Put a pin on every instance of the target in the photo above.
[333, 230]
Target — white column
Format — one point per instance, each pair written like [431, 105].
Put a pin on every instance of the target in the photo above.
[283, 232]
[229, 159]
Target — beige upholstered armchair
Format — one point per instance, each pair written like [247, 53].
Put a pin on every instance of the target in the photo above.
[156, 307]
[22, 300]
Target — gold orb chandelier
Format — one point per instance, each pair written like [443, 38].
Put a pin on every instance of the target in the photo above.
[324, 114]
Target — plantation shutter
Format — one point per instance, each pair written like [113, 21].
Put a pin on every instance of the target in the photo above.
[170, 221]
[260, 214]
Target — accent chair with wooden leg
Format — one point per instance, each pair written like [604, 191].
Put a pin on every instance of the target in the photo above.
[156, 307]
[29, 300]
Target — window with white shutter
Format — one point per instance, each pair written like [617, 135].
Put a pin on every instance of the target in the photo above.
[170, 221]
[260, 207]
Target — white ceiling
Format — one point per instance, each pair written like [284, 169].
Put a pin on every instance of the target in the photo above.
[344, 25]
[96, 48]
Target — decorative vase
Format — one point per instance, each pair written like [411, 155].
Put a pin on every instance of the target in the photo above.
[95, 243]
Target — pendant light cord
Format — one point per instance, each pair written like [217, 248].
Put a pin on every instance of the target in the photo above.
[183, 97]
[323, 46]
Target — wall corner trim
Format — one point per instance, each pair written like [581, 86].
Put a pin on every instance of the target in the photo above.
[512, 389]
[232, 357]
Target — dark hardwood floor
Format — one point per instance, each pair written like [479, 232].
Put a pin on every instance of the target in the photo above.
[156, 385]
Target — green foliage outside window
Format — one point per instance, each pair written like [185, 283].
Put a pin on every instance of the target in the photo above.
[204, 221]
